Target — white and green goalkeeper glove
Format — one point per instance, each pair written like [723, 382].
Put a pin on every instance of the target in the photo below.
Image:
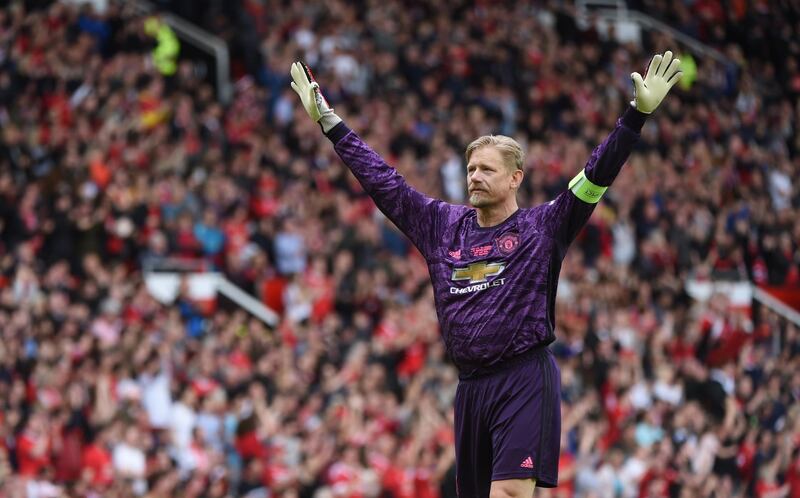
[315, 104]
[662, 73]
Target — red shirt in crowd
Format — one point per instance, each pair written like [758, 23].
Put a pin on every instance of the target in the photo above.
[32, 454]
[424, 487]
[793, 478]
[764, 489]
[248, 446]
[97, 461]
[342, 476]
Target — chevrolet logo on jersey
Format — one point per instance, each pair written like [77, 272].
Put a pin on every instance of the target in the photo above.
[478, 272]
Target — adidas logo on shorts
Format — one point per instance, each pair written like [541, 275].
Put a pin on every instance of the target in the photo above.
[527, 463]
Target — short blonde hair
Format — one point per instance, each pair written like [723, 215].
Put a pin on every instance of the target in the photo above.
[509, 148]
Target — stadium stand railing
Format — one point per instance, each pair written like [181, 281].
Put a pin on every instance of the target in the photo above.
[203, 289]
[775, 304]
[617, 11]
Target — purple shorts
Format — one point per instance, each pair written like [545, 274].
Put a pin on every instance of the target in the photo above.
[508, 425]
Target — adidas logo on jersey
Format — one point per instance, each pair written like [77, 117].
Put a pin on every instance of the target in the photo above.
[527, 463]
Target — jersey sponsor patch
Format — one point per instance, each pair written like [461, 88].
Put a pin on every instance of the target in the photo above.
[478, 275]
[479, 271]
[477, 287]
[507, 242]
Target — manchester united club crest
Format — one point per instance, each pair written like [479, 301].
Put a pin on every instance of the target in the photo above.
[507, 242]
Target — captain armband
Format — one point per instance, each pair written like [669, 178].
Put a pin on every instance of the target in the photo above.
[585, 190]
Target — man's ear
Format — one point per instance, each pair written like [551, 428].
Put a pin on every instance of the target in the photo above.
[516, 178]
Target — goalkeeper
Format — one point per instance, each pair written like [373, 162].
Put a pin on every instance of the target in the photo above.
[494, 268]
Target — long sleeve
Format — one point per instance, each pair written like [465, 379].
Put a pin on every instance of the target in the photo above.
[567, 214]
[415, 214]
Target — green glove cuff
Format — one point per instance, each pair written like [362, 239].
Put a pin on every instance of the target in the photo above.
[328, 120]
[585, 190]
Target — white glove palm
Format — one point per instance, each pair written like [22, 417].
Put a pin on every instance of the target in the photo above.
[662, 73]
[315, 104]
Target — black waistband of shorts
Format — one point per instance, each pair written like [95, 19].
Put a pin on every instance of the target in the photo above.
[508, 364]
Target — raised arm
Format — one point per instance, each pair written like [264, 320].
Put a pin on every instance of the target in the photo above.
[415, 214]
[568, 213]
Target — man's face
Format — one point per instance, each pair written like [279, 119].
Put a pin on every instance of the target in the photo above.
[489, 181]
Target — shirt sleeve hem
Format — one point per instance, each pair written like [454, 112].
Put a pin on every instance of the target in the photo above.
[633, 119]
[338, 132]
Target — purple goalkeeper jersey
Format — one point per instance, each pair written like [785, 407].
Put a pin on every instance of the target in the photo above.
[494, 287]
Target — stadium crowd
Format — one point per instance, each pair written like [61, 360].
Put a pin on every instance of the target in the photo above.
[108, 166]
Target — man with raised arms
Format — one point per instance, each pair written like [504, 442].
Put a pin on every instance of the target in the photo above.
[494, 268]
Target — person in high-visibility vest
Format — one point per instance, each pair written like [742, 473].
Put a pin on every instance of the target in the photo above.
[689, 70]
[165, 55]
